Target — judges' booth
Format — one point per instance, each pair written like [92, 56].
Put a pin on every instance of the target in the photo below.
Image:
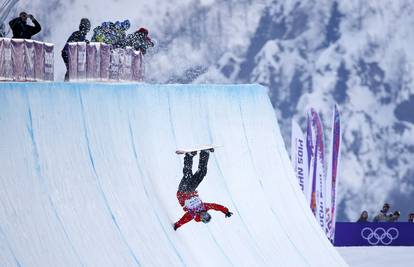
[99, 62]
[26, 60]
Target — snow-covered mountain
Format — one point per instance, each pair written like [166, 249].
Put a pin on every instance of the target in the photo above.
[308, 53]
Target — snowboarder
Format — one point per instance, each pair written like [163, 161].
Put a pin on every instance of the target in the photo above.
[188, 196]
[21, 29]
[77, 36]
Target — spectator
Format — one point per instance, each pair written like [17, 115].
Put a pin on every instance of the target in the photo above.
[363, 217]
[21, 29]
[77, 36]
[97, 34]
[395, 216]
[411, 217]
[383, 216]
[140, 40]
[120, 33]
[105, 33]
[2, 31]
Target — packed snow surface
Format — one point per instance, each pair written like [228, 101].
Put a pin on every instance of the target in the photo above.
[89, 175]
[378, 256]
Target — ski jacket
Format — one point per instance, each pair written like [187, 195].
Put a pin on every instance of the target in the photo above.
[139, 42]
[382, 217]
[77, 36]
[192, 205]
[22, 30]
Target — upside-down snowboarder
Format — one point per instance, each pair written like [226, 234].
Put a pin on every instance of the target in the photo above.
[188, 196]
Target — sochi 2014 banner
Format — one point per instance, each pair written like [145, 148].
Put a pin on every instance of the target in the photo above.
[310, 147]
[300, 159]
[332, 174]
[319, 168]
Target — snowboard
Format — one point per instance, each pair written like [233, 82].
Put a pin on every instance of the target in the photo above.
[188, 150]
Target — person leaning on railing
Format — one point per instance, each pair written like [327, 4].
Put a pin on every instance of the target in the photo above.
[20, 28]
[140, 40]
[411, 218]
[363, 217]
[383, 216]
[76, 36]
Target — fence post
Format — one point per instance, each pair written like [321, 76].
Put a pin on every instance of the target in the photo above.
[29, 58]
[81, 60]
[105, 57]
[17, 47]
[39, 61]
[73, 61]
[49, 60]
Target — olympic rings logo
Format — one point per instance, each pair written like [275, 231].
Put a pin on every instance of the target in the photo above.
[374, 237]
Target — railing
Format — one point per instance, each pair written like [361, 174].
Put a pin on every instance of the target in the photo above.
[26, 60]
[97, 61]
[374, 234]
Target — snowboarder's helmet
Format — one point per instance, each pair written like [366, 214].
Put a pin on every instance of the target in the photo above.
[205, 217]
[143, 31]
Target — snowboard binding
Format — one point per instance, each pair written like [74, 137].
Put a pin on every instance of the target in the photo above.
[193, 153]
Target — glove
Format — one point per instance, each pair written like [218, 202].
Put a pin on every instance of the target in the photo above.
[228, 214]
[175, 227]
[211, 150]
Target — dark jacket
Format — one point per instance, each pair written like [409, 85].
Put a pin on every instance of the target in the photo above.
[78, 36]
[139, 41]
[23, 31]
[382, 217]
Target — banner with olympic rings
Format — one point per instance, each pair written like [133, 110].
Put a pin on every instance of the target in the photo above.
[374, 234]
